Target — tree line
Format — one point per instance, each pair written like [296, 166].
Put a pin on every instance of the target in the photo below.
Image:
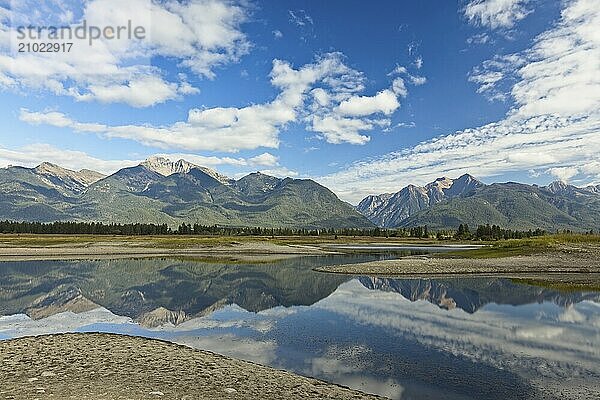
[99, 228]
[495, 232]
[196, 229]
[84, 228]
[483, 232]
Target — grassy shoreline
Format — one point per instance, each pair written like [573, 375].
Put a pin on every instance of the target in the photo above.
[530, 246]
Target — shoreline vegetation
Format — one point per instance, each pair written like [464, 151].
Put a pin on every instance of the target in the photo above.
[109, 366]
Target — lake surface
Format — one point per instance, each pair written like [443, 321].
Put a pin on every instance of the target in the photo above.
[456, 338]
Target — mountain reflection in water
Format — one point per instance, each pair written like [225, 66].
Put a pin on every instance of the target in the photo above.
[455, 338]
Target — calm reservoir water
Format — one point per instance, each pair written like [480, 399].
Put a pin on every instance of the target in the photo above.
[455, 338]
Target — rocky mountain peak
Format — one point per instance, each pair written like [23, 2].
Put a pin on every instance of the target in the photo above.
[257, 183]
[463, 185]
[391, 210]
[166, 167]
[467, 180]
[371, 202]
[467, 177]
[53, 169]
[440, 183]
[557, 186]
[83, 177]
[414, 189]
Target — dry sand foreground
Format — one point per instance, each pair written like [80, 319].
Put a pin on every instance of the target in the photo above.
[105, 366]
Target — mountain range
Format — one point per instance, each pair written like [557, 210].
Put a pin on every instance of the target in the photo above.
[446, 203]
[162, 191]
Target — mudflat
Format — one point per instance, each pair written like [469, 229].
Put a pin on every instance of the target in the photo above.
[107, 366]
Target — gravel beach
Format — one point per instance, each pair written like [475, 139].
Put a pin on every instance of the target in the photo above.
[568, 261]
[107, 366]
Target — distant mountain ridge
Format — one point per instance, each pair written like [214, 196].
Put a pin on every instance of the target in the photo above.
[390, 209]
[60, 177]
[446, 203]
[162, 191]
[159, 190]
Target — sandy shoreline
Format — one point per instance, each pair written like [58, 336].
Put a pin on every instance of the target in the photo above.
[547, 263]
[108, 366]
[242, 251]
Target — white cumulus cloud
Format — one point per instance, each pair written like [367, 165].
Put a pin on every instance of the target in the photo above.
[384, 102]
[553, 126]
[335, 110]
[201, 35]
[34, 154]
[496, 13]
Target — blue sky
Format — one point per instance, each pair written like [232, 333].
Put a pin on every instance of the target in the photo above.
[363, 98]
